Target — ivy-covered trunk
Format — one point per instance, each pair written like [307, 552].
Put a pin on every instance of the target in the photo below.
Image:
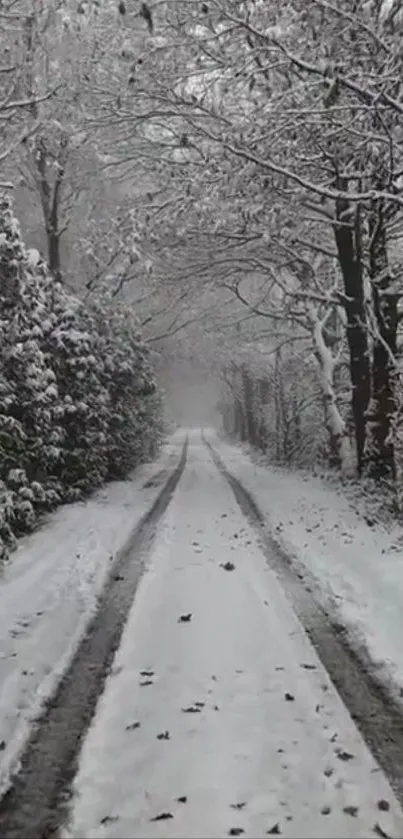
[347, 231]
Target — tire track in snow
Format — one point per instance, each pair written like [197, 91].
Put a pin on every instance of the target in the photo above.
[34, 806]
[376, 714]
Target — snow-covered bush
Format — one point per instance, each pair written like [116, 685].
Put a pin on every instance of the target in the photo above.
[135, 424]
[78, 403]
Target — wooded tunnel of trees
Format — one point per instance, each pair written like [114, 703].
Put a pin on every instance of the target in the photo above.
[225, 178]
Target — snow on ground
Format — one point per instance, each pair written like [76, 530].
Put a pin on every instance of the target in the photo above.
[227, 722]
[48, 592]
[358, 569]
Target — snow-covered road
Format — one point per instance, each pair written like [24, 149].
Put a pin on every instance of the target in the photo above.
[224, 722]
[49, 591]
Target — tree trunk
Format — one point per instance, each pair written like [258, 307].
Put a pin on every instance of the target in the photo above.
[348, 243]
[339, 440]
[379, 453]
[264, 392]
[278, 406]
[50, 195]
[248, 401]
[53, 251]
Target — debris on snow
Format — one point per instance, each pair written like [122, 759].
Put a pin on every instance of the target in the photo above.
[109, 819]
[351, 810]
[343, 755]
[132, 726]
[161, 817]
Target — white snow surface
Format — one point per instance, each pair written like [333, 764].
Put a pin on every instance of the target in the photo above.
[355, 570]
[249, 758]
[49, 590]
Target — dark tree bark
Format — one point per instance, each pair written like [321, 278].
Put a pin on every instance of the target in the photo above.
[248, 403]
[348, 241]
[50, 195]
[380, 451]
[264, 393]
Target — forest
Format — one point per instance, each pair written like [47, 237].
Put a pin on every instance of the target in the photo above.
[218, 182]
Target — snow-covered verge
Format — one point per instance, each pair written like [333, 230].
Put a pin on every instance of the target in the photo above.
[355, 567]
[49, 589]
[218, 718]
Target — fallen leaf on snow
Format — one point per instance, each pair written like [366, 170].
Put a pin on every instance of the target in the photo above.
[351, 810]
[161, 817]
[342, 755]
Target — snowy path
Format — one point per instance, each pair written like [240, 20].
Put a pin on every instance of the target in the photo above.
[49, 591]
[230, 711]
[353, 563]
